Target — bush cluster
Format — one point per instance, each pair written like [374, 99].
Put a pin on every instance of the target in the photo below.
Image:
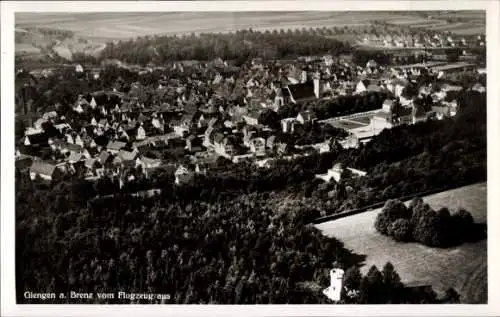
[420, 223]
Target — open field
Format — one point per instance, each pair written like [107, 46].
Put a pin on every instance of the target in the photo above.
[349, 123]
[364, 120]
[26, 48]
[346, 124]
[108, 26]
[99, 28]
[463, 267]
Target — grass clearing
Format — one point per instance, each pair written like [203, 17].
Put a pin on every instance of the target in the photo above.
[463, 267]
[346, 124]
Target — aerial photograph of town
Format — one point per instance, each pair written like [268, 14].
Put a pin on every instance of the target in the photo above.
[302, 157]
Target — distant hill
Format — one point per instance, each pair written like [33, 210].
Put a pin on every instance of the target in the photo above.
[65, 34]
[42, 42]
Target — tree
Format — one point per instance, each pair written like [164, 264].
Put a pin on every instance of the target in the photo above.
[270, 118]
[392, 283]
[444, 212]
[415, 201]
[20, 128]
[364, 291]
[451, 296]
[351, 283]
[453, 55]
[410, 91]
[393, 210]
[462, 225]
[419, 210]
[428, 229]
[401, 230]
[375, 288]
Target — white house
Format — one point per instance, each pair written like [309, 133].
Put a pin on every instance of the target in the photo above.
[479, 88]
[183, 175]
[336, 173]
[323, 147]
[79, 141]
[78, 108]
[141, 133]
[398, 90]
[350, 141]
[31, 131]
[180, 130]
[360, 87]
[306, 116]
[69, 139]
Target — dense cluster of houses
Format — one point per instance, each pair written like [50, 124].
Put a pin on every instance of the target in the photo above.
[420, 40]
[217, 112]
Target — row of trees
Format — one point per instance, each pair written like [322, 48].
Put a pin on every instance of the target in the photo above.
[421, 223]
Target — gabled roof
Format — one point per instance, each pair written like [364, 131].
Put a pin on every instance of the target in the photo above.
[89, 163]
[23, 162]
[142, 118]
[477, 86]
[92, 151]
[115, 145]
[126, 107]
[371, 63]
[307, 115]
[40, 138]
[253, 113]
[149, 161]
[75, 157]
[388, 102]
[373, 88]
[448, 87]
[42, 168]
[127, 155]
[72, 147]
[104, 156]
